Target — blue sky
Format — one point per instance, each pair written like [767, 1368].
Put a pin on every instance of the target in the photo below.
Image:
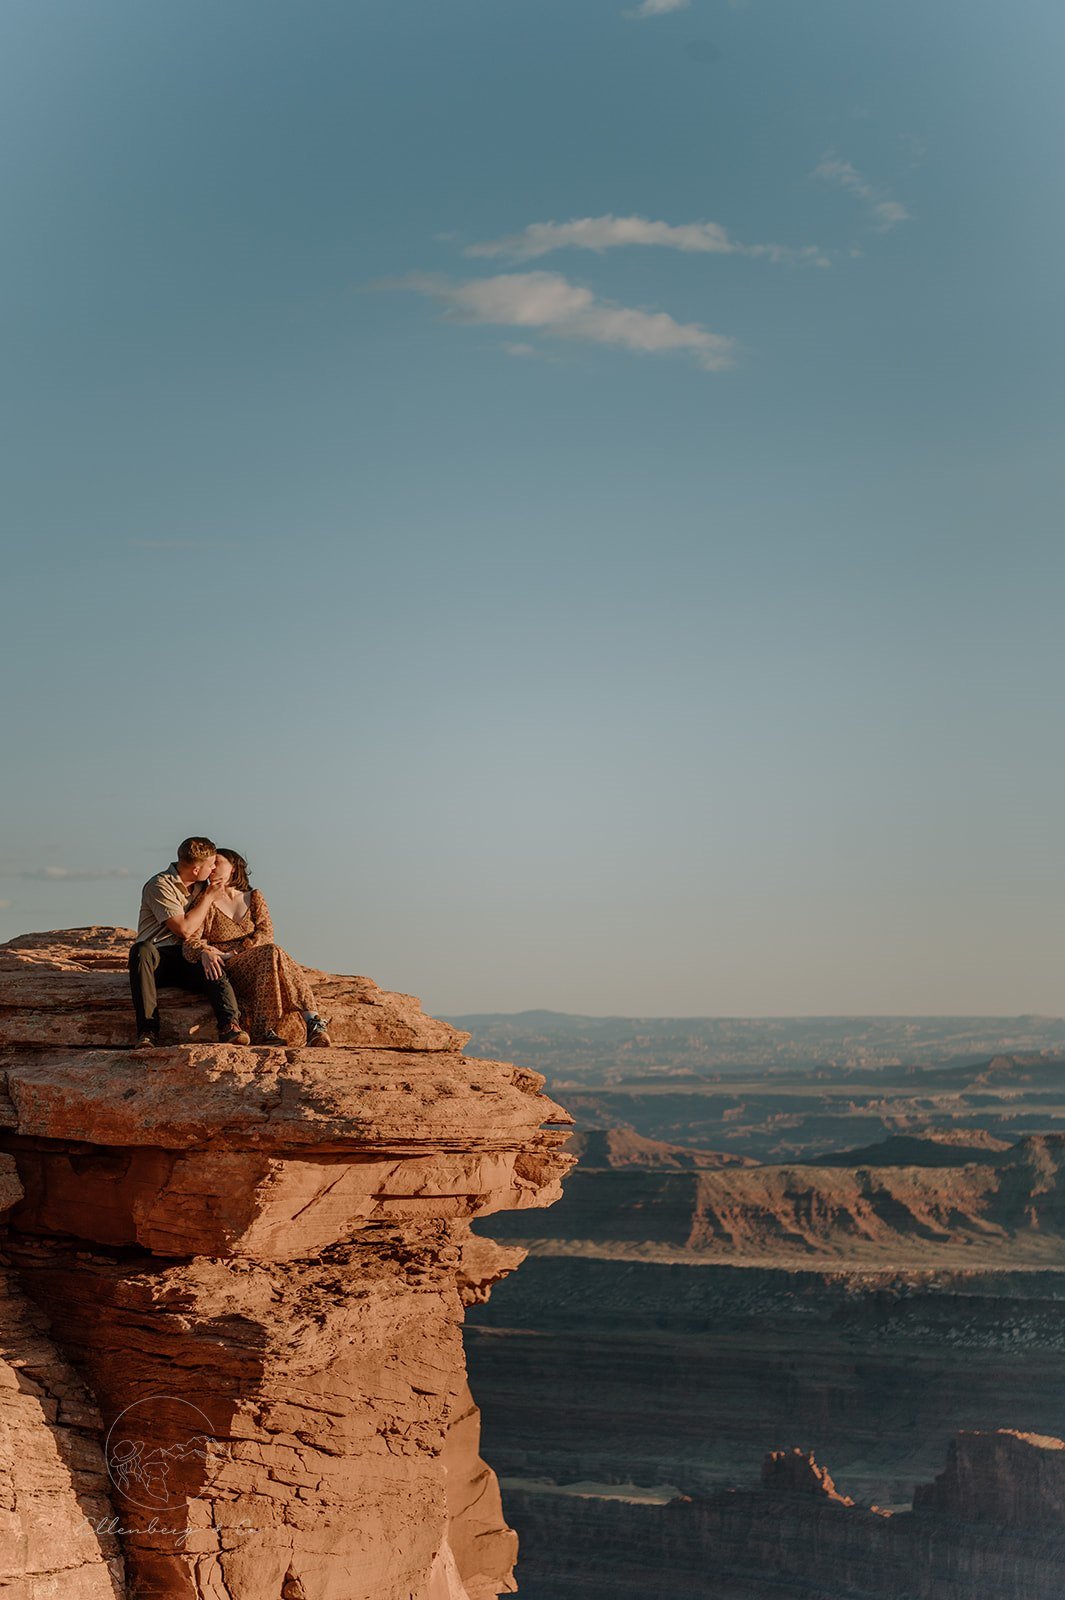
[572, 492]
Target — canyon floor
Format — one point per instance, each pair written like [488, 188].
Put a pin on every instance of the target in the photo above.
[860, 1262]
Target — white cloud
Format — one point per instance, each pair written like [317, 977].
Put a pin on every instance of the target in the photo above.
[549, 302]
[888, 212]
[657, 8]
[884, 211]
[73, 874]
[610, 232]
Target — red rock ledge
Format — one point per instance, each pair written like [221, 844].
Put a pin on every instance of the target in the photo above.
[240, 1275]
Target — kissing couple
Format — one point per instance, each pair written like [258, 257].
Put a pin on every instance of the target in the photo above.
[203, 927]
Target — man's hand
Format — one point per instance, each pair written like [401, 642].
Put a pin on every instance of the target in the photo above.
[212, 963]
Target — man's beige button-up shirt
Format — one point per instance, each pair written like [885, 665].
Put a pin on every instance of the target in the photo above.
[164, 896]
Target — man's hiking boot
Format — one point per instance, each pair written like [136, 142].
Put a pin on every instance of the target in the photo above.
[146, 1040]
[233, 1035]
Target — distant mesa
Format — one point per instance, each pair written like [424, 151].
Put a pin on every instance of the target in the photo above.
[936, 1147]
[943, 1199]
[617, 1148]
[1005, 1478]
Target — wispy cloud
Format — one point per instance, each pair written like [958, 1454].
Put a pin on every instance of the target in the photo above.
[180, 544]
[610, 232]
[514, 348]
[657, 8]
[884, 212]
[73, 874]
[550, 303]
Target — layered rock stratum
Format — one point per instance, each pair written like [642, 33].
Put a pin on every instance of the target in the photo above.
[234, 1282]
[681, 1374]
[907, 1200]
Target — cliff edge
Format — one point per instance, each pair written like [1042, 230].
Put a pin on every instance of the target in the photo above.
[240, 1275]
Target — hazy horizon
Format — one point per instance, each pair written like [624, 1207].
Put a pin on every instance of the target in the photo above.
[571, 492]
[772, 1016]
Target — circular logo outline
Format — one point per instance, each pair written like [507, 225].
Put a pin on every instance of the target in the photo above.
[147, 1467]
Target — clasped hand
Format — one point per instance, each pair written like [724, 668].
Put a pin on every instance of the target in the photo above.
[213, 962]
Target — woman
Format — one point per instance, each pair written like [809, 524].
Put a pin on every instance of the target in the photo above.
[237, 937]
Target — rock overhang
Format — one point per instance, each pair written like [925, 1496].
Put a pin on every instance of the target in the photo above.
[277, 1241]
[234, 1097]
[201, 1148]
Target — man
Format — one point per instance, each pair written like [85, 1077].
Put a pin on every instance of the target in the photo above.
[173, 908]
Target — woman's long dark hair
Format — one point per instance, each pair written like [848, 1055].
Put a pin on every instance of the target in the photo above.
[239, 880]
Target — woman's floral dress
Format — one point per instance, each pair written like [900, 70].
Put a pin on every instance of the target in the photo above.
[271, 988]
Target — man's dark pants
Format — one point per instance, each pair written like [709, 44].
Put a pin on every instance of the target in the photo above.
[154, 966]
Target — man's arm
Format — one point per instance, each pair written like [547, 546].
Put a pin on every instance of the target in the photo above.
[189, 922]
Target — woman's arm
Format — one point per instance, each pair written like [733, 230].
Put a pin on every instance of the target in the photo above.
[197, 943]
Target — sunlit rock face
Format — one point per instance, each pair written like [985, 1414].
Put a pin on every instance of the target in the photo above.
[258, 1261]
[56, 1533]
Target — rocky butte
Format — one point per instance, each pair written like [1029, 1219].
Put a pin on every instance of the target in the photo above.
[232, 1287]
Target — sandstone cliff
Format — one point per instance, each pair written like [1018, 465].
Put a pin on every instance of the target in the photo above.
[237, 1280]
[54, 1490]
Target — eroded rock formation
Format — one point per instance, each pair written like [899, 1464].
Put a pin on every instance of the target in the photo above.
[1005, 1478]
[796, 1471]
[993, 1531]
[258, 1261]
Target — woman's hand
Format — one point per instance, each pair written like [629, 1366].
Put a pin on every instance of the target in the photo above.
[212, 962]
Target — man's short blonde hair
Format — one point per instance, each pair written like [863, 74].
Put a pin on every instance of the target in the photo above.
[196, 849]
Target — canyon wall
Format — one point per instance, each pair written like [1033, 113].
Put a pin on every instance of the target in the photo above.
[251, 1266]
[905, 1201]
[685, 1375]
[990, 1529]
